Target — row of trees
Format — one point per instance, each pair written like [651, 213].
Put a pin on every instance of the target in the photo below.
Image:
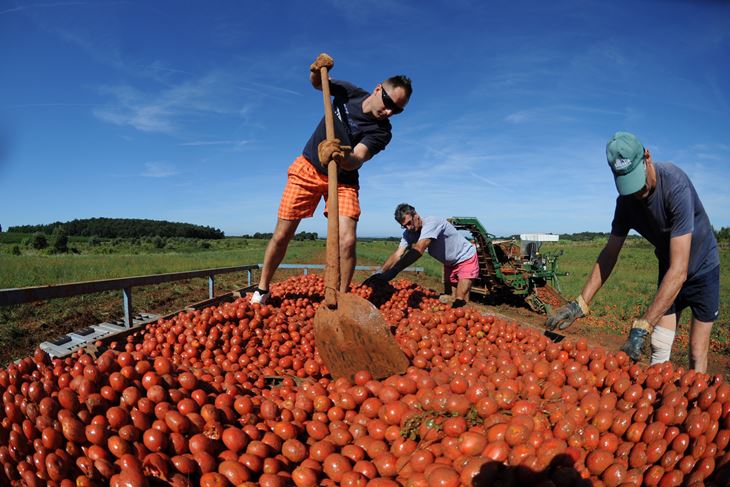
[583, 236]
[134, 228]
[722, 235]
[124, 228]
[58, 242]
[298, 236]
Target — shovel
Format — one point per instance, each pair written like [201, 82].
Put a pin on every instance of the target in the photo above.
[349, 332]
[554, 337]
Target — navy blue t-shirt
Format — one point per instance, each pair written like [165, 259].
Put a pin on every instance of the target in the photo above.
[673, 209]
[352, 127]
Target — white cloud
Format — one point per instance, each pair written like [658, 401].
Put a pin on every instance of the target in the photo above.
[236, 143]
[177, 109]
[159, 169]
[518, 117]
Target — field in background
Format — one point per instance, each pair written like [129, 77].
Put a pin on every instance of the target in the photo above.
[622, 299]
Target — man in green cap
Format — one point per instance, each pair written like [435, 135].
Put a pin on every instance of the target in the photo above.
[659, 202]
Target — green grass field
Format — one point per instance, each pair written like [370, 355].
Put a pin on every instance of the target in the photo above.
[633, 281]
[623, 297]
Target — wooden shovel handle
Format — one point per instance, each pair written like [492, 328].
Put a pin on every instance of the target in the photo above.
[332, 272]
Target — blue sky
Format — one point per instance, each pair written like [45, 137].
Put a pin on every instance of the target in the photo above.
[193, 111]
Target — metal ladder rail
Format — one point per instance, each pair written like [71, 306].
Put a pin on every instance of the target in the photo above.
[484, 256]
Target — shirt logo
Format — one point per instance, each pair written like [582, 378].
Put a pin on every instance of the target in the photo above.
[621, 164]
[343, 115]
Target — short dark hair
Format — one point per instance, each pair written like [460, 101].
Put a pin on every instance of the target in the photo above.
[400, 81]
[402, 210]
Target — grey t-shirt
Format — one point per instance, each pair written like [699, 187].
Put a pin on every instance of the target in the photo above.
[447, 245]
[672, 210]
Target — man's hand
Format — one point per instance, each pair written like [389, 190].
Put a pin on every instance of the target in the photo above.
[324, 60]
[376, 280]
[331, 150]
[567, 314]
[633, 346]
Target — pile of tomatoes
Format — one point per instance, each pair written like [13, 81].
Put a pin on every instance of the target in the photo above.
[236, 394]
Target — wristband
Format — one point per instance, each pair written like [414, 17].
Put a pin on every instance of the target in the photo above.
[583, 305]
[642, 324]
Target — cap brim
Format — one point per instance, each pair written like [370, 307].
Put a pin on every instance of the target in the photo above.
[632, 182]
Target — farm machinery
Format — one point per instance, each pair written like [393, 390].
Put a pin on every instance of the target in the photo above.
[511, 271]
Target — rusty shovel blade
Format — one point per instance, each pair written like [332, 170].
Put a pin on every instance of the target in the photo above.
[554, 337]
[354, 336]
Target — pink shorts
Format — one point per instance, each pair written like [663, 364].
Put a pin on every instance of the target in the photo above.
[468, 269]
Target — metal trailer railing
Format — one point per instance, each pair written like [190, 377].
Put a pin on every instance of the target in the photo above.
[66, 344]
[125, 284]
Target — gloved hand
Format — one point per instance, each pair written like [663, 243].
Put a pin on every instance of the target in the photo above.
[637, 335]
[324, 60]
[567, 314]
[329, 150]
[376, 280]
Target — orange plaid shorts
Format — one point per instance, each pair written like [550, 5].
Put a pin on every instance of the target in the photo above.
[304, 188]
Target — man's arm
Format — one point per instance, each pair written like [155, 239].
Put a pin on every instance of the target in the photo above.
[422, 245]
[356, 157]
[360, 154]
[673, 280]
[316, 79]
[394, 257]
[603, 267]
[670, 286]
[569, 312]
[408, 256]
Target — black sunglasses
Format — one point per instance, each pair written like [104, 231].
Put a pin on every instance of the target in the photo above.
[388, 102]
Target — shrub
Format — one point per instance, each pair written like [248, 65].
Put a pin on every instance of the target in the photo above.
[158, 242]
[15, 250]
[39, 241]
[59, 240]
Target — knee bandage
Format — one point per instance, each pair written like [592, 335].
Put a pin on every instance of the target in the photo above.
[661, 344]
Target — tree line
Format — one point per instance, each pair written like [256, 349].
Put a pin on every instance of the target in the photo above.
[722, 235]
[124, 228]
[299, 236]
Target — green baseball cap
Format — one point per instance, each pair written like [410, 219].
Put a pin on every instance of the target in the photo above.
[625, 156]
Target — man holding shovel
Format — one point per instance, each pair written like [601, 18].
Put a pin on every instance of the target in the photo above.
[443, 242]
[658, 201]
[362, 129]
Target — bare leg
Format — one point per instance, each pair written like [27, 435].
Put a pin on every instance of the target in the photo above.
[447, 284]
[699, 344]
[276, 249]
[463, 288]
[348, 257]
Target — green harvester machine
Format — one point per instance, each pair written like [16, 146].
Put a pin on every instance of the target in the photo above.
[509, 271]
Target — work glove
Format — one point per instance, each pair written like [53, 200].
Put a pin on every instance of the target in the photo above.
[634, 345]
[329, 150]
[376, 280]
[324, 60]
[567, 314]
